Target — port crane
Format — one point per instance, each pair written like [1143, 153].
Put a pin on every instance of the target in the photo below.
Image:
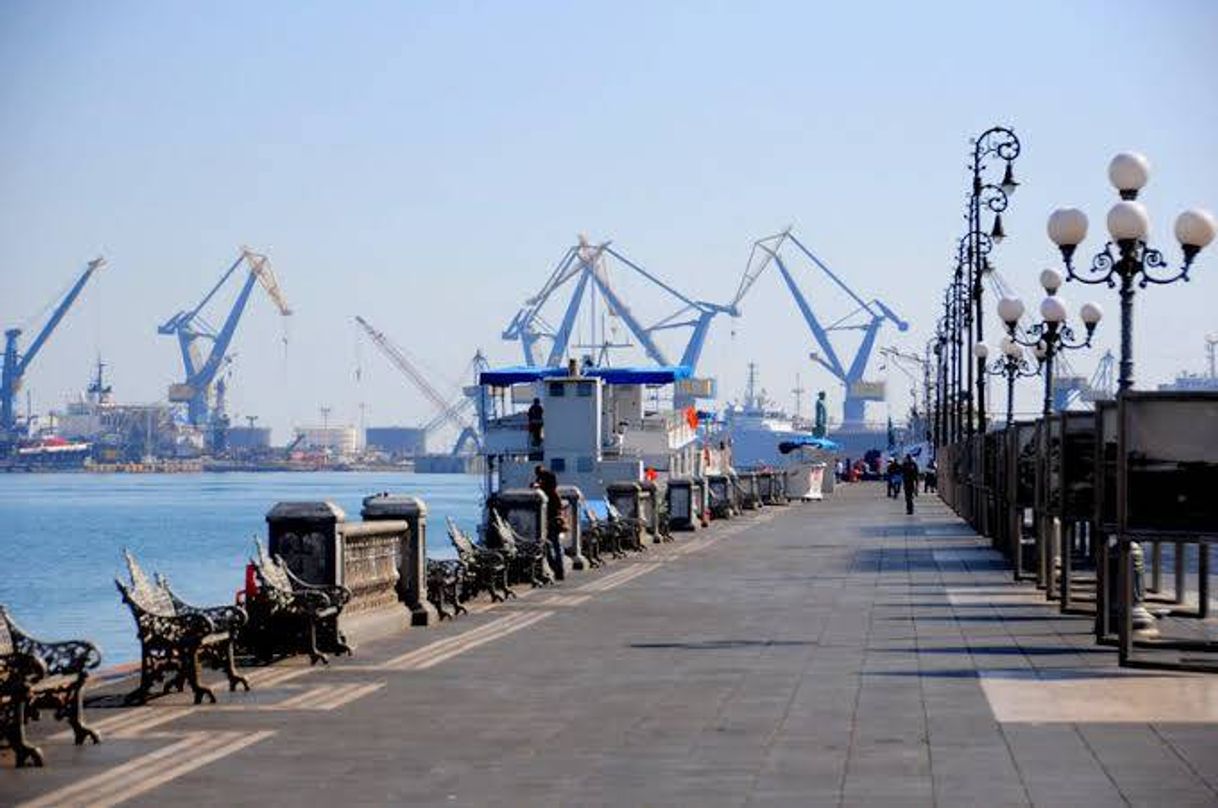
[193, 330]
[867, 317]
[16, 364]
[584, 268]
[456, 413]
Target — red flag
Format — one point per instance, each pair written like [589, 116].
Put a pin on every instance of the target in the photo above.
[691, 417]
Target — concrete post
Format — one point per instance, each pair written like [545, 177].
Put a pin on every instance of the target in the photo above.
[306, 535]
[413, 562]
[572, 499]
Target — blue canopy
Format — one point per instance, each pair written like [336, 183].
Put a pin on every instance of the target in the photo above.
[519, 374]
[660, 374]
[788, 446]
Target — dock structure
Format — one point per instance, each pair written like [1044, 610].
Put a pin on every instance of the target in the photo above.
[835, 653]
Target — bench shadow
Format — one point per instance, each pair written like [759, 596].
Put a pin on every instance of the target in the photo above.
[998, 650]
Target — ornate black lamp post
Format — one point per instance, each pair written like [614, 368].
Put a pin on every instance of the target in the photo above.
[1135, 260]
[996, 142]
[1011, 364]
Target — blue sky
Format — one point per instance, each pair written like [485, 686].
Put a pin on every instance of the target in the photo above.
[425, 164]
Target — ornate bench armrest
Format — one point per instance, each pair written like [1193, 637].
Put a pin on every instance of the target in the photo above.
[336, 593]
[224, 618]
[18, 670]
[63, 658]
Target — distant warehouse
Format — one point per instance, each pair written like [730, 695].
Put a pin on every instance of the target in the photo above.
[396, 441]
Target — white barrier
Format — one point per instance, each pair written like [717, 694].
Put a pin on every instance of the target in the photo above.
[805, 481]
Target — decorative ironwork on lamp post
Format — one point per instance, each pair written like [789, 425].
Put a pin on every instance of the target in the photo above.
[1051, 335]
[996, 142]
[1134, 260]
[1012, 364]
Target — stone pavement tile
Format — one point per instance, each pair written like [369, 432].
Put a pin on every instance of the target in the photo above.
[1054, 760]
[886, 789]
[980, 773]
[1146, 770]
[1197, 744]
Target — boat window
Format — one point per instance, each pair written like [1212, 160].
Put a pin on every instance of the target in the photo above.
[584, 390]
[557, 389]
[584, 465]
[558, 464]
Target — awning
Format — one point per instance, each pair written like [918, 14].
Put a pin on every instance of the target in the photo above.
[661, 374]
[520, 374]
[788, 446]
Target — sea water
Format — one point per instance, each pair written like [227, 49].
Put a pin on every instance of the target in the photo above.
[62, 536]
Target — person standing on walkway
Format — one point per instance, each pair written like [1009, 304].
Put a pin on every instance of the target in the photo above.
[909, 473]
[536, 416]
[892, 474]
[547, 482]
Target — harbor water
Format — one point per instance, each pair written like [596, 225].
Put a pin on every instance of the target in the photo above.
[62, 535]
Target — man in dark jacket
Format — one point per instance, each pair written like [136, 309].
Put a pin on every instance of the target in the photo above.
[536, 416]
[909, 475]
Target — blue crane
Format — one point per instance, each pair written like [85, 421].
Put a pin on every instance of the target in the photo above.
[16, 364]
[448, 413]
[191, 329]
[585, 267]
[873, 313]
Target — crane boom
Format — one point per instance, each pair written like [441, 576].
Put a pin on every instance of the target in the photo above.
[191, 329]
[446, 412]
[767, 251]
[15, 365]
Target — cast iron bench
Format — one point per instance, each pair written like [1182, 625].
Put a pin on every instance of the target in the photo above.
[175, 636]
[290, 614]
[607, 536]
[526, 557]
[632, 528]
[483, 569]
[36, 675]
[444, 582]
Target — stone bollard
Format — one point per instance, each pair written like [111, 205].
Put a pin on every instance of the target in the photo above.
[525, 510]
[306, 535]
[682, 513]
[649, 503]
[572, 499]
[701, 500]
[719, 491]
[320, 546]
[412, 567]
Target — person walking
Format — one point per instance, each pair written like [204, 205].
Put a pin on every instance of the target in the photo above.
[892, 475]
[909, 473]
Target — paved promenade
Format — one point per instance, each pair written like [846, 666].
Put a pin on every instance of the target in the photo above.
[834, 653]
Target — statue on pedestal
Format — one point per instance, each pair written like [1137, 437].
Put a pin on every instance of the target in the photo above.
[821, 426]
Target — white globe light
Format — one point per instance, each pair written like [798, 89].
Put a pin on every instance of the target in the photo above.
[1053, 310]
[1128, 221]
[1051, 280]
[1012, 349]
[1129, 171]
[1010, 309]
[1090, 314]
[1067, 227]
[981, 350]
[1195, 228]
